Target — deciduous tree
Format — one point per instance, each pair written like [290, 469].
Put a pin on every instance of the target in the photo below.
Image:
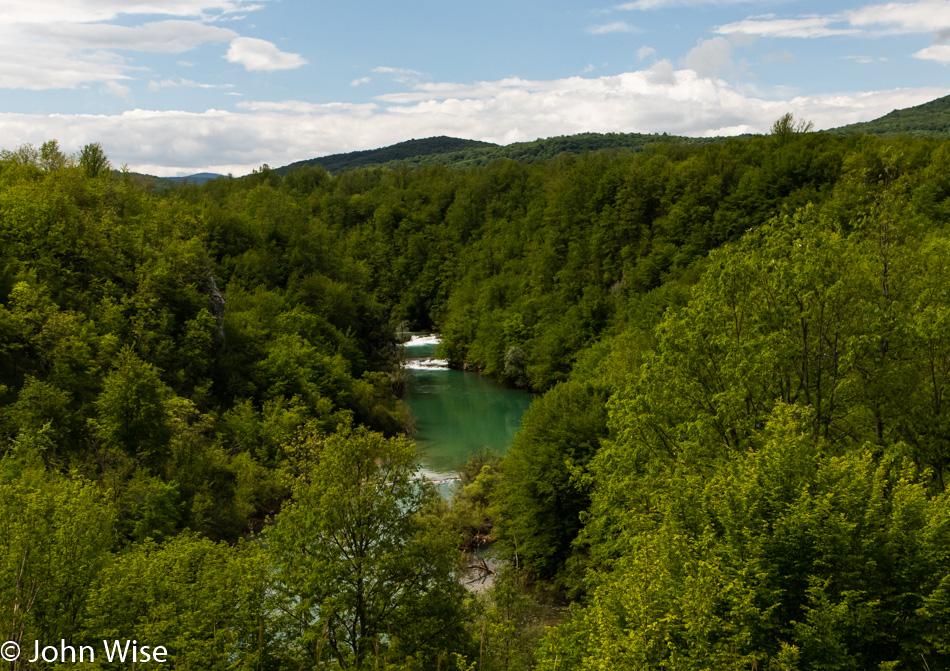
[365, 572]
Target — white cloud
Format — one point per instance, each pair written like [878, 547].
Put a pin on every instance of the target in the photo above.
[301, 107]
[803, 26]
[116, 89]
[661, 73]
[658, 99]
[867, 60]
[904, 17]
[360, 81]
[924, 16]
[37, 69]
[50, 44]
[156, 85]
[262, 56]
[174, 36]
[645, 51]
[646, 5]
[63, 56]
[937, 52]
[87, 11]
[711, 58]
[613, 27]
[400, 75]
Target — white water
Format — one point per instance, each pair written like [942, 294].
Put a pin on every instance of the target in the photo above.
[426, 364]
[421, 340]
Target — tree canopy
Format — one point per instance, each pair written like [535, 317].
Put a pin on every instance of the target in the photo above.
[738, 455]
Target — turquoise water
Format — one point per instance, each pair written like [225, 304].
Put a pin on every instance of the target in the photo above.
[457, 413]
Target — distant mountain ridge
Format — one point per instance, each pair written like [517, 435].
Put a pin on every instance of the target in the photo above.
[409, 151]
[198, 178]
[160, 183]
[460, 153]
[928, 120]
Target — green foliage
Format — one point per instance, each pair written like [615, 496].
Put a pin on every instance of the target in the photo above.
[785, 127]
[115, 331]
[42, 408]
[55, 537]
[203, 602]
[471, 513]
[802, 313]
[401, 151]
[579, 241]
[366, 572]
[731, 531]
[841, 559]
[928, 120]
[133, 412]
[463, 154]
[740, 460]
[93, 160]
[52, 157]
[508, 624]
[545, 491]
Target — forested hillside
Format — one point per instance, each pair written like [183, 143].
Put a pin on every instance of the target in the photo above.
[739, 458]
[461, 154]
[433, 149]
[928, 120]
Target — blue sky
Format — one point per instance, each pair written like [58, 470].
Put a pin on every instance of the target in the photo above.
[173, 87]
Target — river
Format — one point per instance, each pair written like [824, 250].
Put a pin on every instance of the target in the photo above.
[457, 413]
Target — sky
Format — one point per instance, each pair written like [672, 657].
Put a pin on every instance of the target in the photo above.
[176, 87]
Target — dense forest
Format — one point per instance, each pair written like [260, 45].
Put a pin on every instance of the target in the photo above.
[737, 458]
[931, 119]
[458, 153]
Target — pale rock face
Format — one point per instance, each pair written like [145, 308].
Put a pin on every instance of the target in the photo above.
[217, 305]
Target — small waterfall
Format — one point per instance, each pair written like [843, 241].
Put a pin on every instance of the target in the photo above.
[426, 364]
[419, 351]
[420, 340]
[217, 305]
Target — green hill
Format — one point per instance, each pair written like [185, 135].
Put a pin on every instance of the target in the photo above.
[928, 120]
[931, 119]
[410, 150]
[459, 153]
[198, 178]
[153, 183]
